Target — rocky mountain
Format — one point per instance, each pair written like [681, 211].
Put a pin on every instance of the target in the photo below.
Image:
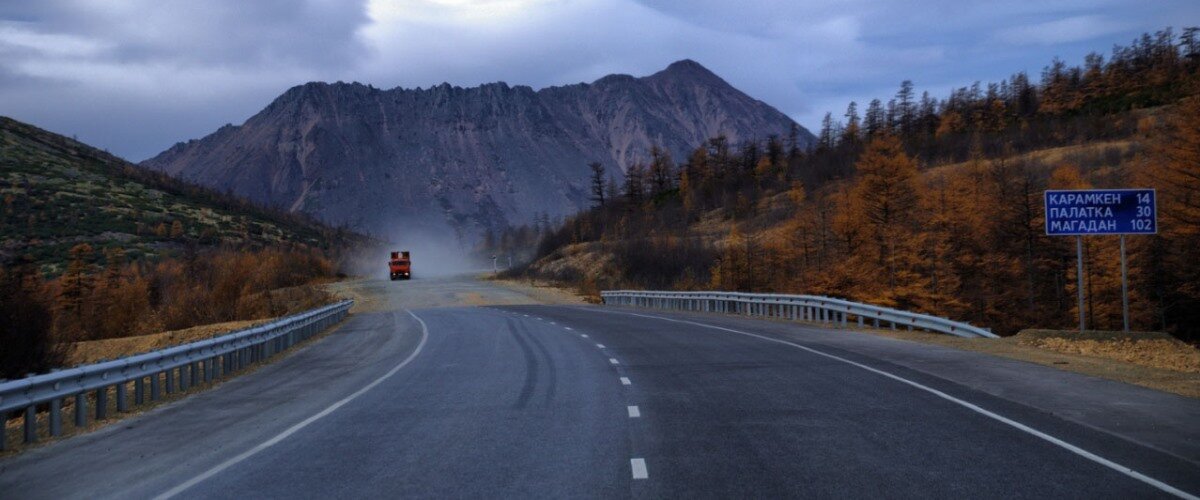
[392, 161]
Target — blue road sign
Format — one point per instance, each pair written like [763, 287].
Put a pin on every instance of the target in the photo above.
[1101, 211]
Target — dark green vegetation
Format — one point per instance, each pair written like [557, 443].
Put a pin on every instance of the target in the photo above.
[58, 193]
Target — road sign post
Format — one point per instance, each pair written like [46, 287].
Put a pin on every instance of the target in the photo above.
[1087, 212]
[1079, 280]
[1124, 288]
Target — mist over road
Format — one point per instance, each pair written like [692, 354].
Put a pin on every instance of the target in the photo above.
[451, 387]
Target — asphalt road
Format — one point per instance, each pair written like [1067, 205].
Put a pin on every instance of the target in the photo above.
[571, 401]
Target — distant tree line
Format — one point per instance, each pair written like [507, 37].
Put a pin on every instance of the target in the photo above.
[863, 213]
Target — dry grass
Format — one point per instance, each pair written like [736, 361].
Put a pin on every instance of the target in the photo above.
[1048, 156]
[356, 290]
[91, 351]
[1152, 349]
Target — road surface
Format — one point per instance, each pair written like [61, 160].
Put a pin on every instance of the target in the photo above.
[516, 399]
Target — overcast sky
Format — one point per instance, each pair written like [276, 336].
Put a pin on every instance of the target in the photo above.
[135, 76]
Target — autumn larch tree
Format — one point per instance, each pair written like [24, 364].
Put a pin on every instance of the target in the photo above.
[597, 183]
[885, 198]
[1173, 168]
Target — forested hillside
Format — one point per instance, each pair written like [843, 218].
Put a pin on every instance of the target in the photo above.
[95, 247]
[926, 204]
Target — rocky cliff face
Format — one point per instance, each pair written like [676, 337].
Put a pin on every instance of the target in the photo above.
[386, 161]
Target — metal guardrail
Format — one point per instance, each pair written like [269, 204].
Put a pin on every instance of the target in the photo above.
[813, 308]
[181, 366]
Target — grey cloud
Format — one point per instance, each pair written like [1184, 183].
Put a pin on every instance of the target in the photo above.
[136, 76]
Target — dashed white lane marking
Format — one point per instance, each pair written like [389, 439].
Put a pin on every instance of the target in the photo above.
[584, 335]
[303, 423]
[625, 381]
[634, 412]
[971, 406]
[553, 323]
[600, 346]
[638, 466]
[567, 327]
[525, 315]
[613, 360]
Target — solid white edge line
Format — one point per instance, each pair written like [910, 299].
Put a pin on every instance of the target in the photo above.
[634, 412]
[304, 423]
[971, 406]
[638, 466]
[625, 381]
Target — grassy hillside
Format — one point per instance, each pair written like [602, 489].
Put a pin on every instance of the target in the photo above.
[58, 193]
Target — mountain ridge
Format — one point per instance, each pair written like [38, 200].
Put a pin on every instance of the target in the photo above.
[483, 157]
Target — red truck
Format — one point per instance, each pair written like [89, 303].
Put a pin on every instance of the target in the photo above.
[400, 266]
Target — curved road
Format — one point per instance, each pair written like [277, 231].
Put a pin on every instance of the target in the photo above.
[516, 399]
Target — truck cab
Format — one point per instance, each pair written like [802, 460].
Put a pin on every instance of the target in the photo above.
[400, 266]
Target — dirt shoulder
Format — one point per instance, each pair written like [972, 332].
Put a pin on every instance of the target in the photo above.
[541, 291]
[1110, 357]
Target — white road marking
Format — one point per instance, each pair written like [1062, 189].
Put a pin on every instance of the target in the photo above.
[304, 423]
[625, 381]
[567, 327]
[553, 323]
[971, 406]
[639, 468]
[584, 335]
[612, 360]
[634, 412]
[600, 346]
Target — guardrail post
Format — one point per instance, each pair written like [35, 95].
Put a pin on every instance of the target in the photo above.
[102, 403]
[55, 417]
[80, 410]
[31, 424]
[170, 375]
[123, 397]
[860, 321]
[139, 390]
[155, 382]
[185, 377]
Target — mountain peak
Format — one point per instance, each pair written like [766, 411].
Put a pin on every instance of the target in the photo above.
[688, 68]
